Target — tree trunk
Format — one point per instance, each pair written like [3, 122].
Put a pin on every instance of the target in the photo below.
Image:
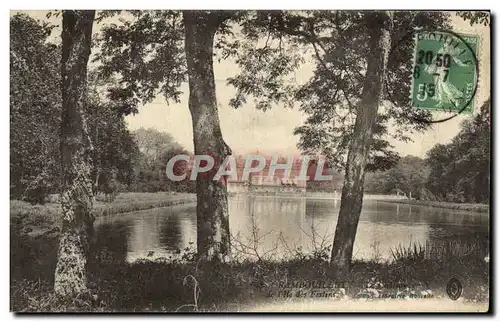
[76, 150]
[213, 240]
[379, 25]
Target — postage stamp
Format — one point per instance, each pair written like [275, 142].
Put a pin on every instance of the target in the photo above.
[445, 71]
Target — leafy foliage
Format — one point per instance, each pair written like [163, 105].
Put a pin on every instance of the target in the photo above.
[35, 108]
[460, 171]
[115, 150]
[145, 52]
[476, 17]
[409, 175]
[454, 172]
[153, 144]
[36, 116]
[336, 42]
[156, 149]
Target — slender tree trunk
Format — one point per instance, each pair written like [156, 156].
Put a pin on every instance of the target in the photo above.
[379, 25]
[76, 149]
[213, 240]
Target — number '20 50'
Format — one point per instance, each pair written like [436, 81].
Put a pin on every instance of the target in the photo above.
[427, 57]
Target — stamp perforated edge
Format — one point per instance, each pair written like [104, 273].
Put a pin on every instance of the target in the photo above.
[460, 32]
[479, 51]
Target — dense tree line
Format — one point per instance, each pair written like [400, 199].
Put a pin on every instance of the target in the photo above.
[156, 149]
[408, 176]
[35, 109]
[122, 161]
[460, 171]
[455, 172]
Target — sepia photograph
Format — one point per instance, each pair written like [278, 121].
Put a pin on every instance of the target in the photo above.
[206, 161]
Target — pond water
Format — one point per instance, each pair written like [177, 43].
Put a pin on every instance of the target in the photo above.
[277, 226]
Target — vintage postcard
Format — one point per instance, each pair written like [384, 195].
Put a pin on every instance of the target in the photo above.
[250, 161]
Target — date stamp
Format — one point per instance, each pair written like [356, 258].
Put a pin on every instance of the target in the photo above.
[445, 72]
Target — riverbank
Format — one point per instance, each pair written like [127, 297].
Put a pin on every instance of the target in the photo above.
[313, 195]
[161, 286]
[40, 218]
[476, 207]
[416, 273]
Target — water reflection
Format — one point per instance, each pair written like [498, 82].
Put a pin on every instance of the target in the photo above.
[278, 227]
[110, 241]
[151, 234]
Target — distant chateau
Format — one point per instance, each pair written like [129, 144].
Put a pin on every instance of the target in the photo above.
[260, 183]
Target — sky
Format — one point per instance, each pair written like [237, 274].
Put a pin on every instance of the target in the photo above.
[248, 130]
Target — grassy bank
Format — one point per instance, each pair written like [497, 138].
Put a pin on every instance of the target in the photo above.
[476, 207]
[187, 286]
[45, 217]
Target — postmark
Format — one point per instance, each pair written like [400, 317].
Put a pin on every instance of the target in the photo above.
[445, 72]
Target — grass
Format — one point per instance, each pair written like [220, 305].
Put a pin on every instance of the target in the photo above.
[476, 207]
[443, 251]
[187, 285]
[40, 218]
[164, 286]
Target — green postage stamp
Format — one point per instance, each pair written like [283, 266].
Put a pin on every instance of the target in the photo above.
[445, 71]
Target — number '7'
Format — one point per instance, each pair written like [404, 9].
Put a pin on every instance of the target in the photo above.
[446, 72]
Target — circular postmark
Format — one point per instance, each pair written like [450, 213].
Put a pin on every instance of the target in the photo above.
[454, 289]
[444, 73]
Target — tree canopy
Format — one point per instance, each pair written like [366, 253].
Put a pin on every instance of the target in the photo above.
[336, 44]
[35, 109]
[460, 170]
[456, 172]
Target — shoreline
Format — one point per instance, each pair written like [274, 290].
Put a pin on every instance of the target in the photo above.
[475, 207]
[110, 210]
[40, 219]
[118, 285]
[314, 196]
